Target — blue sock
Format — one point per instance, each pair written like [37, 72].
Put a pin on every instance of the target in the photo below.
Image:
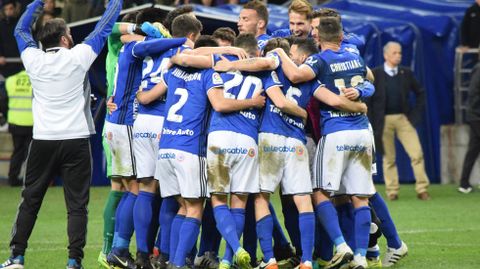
[306, 222]
[142, 219]
[278, 235]
[168, 211]
[239, 218]
[264, 234]
[117, 216]
[174, 235]
[346, 221]
[210, 235]
[387, 226]
[290, 214]
[327, 215]
[188, 234]
[363, 219]
[249, 231]
[126, 228]
[226, 226]
[154, 235]
[323, 243]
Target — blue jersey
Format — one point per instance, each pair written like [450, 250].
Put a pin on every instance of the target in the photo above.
[353, 40]
[187, 108]
[240, 86]
[127, 80]
[153, 67]
[262, 41]
[336, 70]
[285, 33]
[275, 121]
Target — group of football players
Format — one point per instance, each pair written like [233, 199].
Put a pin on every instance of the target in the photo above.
[202, 129]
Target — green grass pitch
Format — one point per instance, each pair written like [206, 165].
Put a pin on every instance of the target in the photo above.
[441, 233]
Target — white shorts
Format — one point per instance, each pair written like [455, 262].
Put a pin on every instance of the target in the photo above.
[181, 173]
[283, 160]
[343, 163]
[147, 130]
[311, 147]
[232, 160]
[119, 138]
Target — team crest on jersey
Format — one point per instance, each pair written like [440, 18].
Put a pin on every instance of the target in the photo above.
[299, 151]
[311, 61]
[216, 78]
[251, 152]
[275, 77]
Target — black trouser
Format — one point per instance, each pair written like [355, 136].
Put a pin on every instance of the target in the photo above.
[70, 159]
[472, 153]
[21, 137]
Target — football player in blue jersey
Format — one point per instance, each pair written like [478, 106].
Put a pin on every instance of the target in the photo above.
[340, 70]
[181, 158]
[299, 19]
[253, 19]
[300, 51]
[120, 138]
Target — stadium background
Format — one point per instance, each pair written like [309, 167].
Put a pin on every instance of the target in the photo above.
[427, 29]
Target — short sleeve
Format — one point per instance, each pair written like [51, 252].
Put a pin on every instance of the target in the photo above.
[212, 79]
[315, 63]
[275, 57]
[316, 84]
[164, 77]
[272, 80]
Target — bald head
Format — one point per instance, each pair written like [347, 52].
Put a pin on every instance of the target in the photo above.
[392, 53]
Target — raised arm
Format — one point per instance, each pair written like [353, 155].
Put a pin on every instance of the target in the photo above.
[190, 60]
[226, 105]
[146, 97]
[23, 30]
[294, 73]
[284, 104]
[251, 64]
[156, 46]
[97, 38]
[340, 102]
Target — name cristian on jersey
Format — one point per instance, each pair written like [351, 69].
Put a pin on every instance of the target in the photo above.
[345, 66]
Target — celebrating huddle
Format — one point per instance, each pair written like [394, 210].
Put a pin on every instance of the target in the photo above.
[201, 130]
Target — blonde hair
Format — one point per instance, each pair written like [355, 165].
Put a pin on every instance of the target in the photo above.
[301, 7]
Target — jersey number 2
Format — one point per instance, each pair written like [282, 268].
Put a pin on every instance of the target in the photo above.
[172, 112]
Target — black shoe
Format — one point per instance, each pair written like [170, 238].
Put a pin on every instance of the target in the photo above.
[284, 252]
[159, 262]
[143, 261]
[121, 259]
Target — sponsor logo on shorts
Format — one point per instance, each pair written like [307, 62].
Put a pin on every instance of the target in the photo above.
[166, 156]
[251, 152]
[300, 150]
[180, 157]
[353, 148]
[284, 149]
[235, 150]
[146, 135]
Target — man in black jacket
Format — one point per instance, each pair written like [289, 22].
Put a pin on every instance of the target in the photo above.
[473, 119]
[390, 115]
[470, 29]
[8, 45]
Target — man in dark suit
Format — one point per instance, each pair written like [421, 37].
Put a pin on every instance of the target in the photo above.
[391, 115]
